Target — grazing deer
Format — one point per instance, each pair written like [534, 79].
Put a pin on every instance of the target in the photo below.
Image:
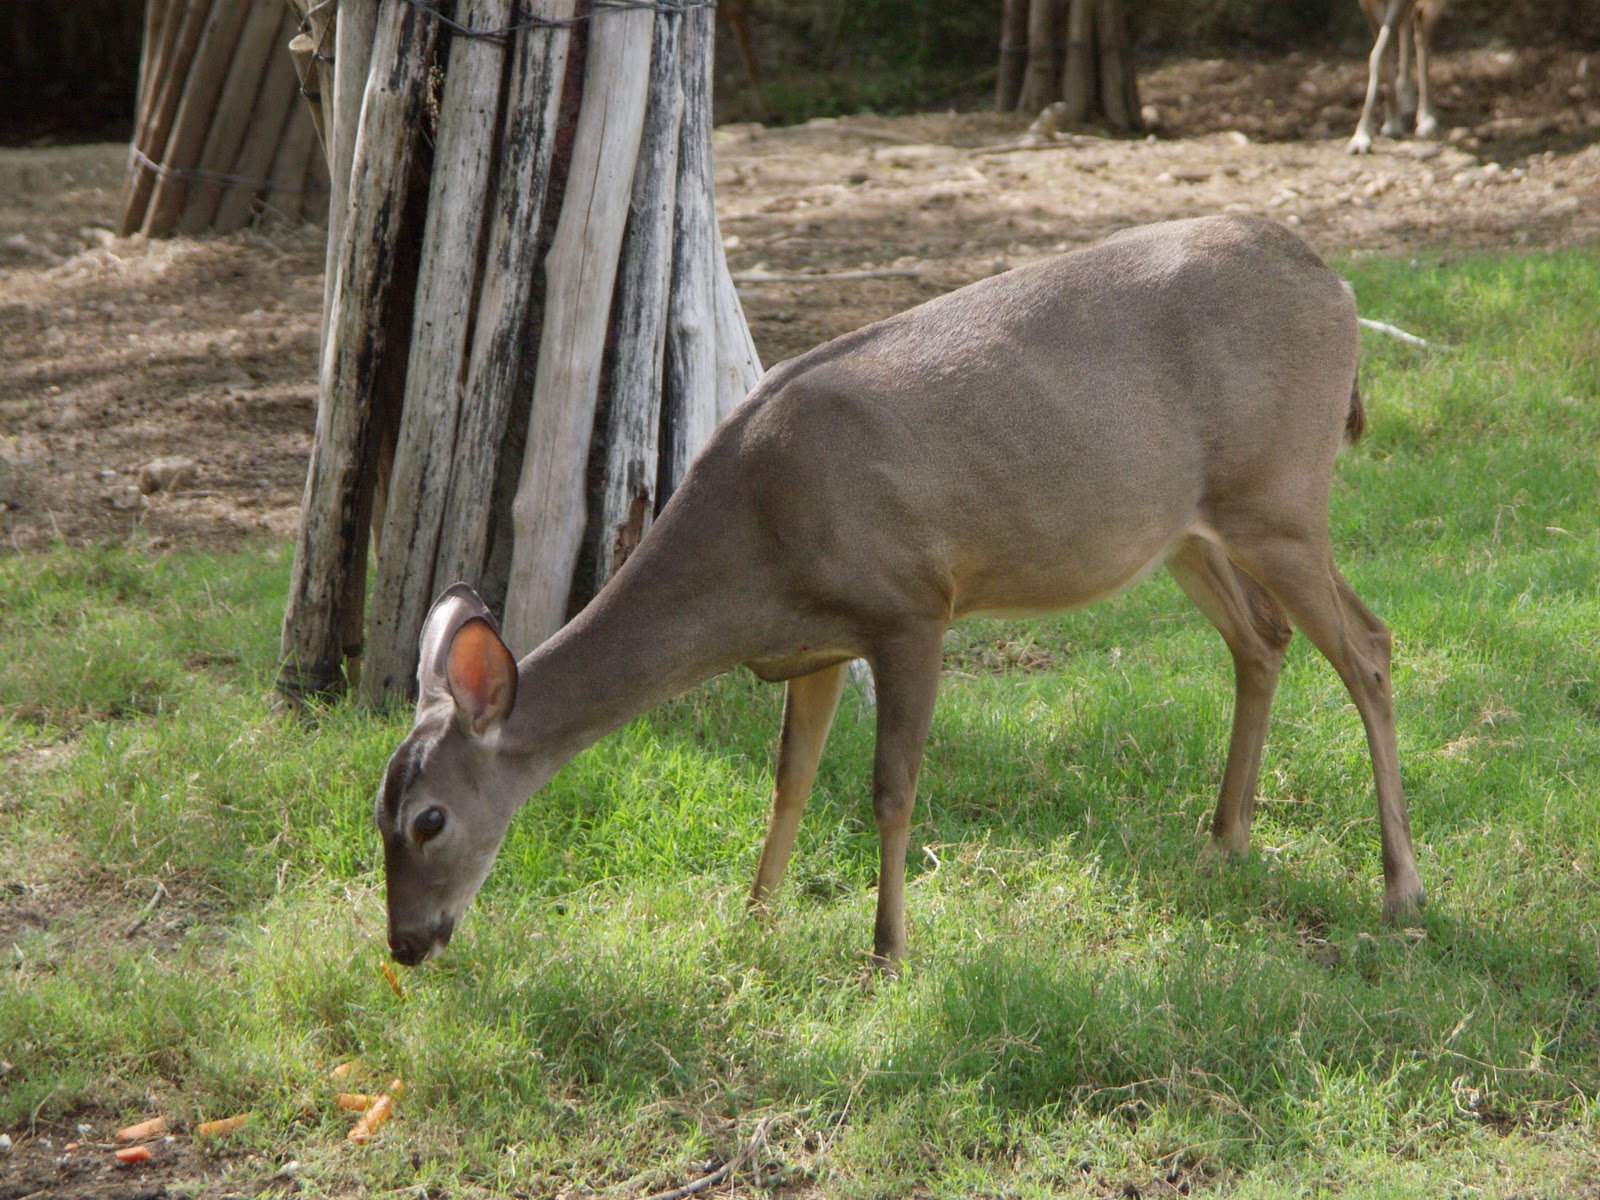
[1405, 23]
[1036, 441]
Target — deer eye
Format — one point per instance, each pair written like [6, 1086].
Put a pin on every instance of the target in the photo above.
[428, 823]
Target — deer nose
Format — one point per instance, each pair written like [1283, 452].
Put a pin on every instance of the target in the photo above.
[418, 945]
[409, 949]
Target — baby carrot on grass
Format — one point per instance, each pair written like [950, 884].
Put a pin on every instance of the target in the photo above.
[354, 1101]
[346, 1068]
[375, 1116]
[144, 1129]
[133, 1154]
[210, 1129]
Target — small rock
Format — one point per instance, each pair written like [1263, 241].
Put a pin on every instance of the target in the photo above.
[167, 474]
[124, 499]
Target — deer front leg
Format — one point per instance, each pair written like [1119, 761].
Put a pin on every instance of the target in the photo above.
[1257, 633]
[907, 675]
[1427, 122]
[808, 707]
[1361, 143]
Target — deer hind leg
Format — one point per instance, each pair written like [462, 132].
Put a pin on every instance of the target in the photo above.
[906, 669]
[808, 708]
[1302, 575]
[1257, 633]
[1402, 107]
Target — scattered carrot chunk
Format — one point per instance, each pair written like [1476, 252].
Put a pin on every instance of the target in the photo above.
[207, 1129]
[133, 1154]
[346, 1068]
[354, 1101]
[144, 1129]
[375, 1116]
[394, 980]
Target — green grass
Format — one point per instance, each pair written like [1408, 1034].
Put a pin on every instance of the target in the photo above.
[1081, 1010]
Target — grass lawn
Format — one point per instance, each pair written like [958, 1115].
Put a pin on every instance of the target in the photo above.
[1081, 1011]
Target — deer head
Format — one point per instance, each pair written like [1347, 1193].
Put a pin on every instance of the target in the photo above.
[442, 808]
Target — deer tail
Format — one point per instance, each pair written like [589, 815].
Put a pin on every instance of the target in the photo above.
[1355, 424]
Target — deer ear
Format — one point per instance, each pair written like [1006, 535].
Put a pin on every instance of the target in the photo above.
[482, 675]
[455, 606]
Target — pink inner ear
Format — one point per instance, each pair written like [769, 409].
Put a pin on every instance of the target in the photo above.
[482, 673]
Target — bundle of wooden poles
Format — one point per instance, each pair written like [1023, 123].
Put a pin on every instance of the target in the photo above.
[219, 130]
[1072, 52]
[530, 328]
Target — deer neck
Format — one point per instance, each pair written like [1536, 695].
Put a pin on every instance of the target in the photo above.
[661, 626]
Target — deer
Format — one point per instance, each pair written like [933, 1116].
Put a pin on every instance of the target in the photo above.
[1406, 23]
[1036, 441]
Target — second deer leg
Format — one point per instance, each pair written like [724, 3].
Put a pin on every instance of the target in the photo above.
[808, 708]
[907, 674]
[1357, 643]
[1257, 633]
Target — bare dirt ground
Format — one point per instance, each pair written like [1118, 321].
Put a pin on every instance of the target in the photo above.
[114, 352]
[119, 351]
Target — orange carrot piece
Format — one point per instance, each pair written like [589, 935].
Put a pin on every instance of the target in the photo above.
[354, 1101]
[345, 1068]
[381, 1110]
[133, 1154]
[208, 1129]
[394, 980]
[144, 1129]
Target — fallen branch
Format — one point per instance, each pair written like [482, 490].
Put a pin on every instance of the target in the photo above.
[831, 277]
[757, 1138]
[149, 907]
[1392, 331]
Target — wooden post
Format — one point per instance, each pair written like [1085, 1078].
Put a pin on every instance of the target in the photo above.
[330, 550]
[181, 32]
[627, 502]
[549, 510]
[502, 341]
[1078, 84]
[689, 389]
[569, 254]
[193, 116]
[268, 124]
[463, 162]
[257, 49]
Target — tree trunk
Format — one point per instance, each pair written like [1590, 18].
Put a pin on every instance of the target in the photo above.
[1093, 63]
[1013, 55]
[569, 255]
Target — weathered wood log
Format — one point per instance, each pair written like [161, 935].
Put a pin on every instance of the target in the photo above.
[186, 22]
[627, 500]
[256, 57]
[207, 74]
[1013, 55]
[689, 389]
[330, 549]
[268, 124]
[1042, 77]
[463, 162]
[550, 508]
[503, 345]
[738, 364]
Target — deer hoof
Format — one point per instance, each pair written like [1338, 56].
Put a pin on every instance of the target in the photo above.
[1402, 906]
[1217, 854]
[1361, 143]
[1427, 127]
